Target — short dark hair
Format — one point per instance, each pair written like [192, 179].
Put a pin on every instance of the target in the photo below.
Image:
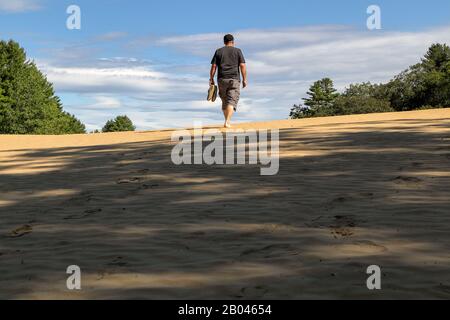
[228, 38]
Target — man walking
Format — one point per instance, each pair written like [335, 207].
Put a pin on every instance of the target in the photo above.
[231, 63]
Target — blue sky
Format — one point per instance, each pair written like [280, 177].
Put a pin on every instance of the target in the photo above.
[150, 59]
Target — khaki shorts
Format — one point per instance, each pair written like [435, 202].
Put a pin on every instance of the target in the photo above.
[229, 92]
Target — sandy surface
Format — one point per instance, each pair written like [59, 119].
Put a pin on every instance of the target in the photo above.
[351, 192]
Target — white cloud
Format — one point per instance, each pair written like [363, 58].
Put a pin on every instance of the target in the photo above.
[302, 53]
[259, 39]
[106, 103]
[19, 5]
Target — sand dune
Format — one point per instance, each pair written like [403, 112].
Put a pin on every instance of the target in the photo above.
[351, 192]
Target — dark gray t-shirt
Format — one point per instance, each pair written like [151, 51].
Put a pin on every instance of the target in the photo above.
[228, 60]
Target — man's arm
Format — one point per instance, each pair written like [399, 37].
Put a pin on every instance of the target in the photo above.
[212, 74]
[243, 67]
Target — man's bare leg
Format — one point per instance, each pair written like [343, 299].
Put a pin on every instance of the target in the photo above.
[228, 113]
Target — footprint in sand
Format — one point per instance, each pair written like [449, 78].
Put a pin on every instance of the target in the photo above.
[348, 198]
[403, 179]
[257, 292]
[21, 231]
[343, 226]
[340, 225]
[337, 201]
[118, 262]
[128, 180]
[417, 164]
[362, 247]
[86, 214]
[82, 198]
[342, 232]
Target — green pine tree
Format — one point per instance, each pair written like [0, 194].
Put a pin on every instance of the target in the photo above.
[322, 95]
[437, 58]
[119, 124]
[28, 104]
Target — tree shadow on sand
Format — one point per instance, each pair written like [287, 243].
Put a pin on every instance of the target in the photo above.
[142, 227]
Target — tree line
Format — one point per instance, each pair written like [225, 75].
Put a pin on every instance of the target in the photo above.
[28, 104]
[424, 85]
